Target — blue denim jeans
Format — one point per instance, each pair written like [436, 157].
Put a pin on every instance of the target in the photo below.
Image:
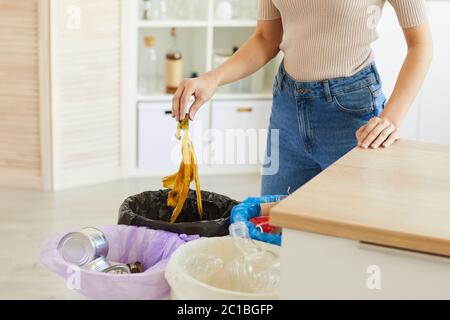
[316, 123]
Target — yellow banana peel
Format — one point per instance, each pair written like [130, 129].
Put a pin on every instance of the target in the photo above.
[180, 182]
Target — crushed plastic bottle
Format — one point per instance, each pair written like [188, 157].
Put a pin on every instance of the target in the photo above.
[239, 230]
[256, 269]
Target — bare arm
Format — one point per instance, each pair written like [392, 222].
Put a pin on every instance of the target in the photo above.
[383, 130]
[258, 50]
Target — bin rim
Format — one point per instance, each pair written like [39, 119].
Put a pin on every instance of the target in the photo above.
[190, 278]
[129, 199]
[56, 237]
[124, 276]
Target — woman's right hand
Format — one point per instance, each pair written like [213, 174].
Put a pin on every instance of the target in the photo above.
[202, 88]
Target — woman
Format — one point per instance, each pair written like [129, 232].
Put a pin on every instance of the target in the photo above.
[327, 93]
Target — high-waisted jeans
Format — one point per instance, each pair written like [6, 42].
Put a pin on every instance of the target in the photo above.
[316, 123]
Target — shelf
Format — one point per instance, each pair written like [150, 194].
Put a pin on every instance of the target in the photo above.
[243, 96]
[196, 24]
[172, 23]
[235, 24]
[218, 96]
[154, 97]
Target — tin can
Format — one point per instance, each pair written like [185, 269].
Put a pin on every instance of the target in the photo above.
[102, 264]
[99, 265]
[83, 247]
[118, 269]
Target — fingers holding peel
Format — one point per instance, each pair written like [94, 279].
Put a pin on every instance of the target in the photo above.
[181, 98]
[188, 92]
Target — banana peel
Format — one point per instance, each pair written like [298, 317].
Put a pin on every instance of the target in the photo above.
[180, 182]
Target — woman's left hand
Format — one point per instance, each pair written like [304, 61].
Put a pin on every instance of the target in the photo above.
[378, 132]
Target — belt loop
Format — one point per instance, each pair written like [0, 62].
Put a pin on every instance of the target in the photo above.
[282, 76]
[375, 71]
[326, 88]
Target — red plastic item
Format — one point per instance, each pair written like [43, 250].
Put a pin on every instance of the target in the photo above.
[263, 224]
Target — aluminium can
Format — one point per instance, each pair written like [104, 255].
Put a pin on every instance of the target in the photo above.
[100, 264]
[118, 269]
[83, 247]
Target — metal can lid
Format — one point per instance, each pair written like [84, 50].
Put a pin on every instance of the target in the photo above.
[75, 248]
[92, 233]
[118, 269]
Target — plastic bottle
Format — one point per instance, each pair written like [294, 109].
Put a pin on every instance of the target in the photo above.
[257, 269]
[149, 73]
[239, 231]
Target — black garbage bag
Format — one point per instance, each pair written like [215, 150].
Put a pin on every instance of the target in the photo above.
[150, 209]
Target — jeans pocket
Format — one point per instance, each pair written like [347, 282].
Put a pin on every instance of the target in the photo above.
[379, 98]
[357, 102]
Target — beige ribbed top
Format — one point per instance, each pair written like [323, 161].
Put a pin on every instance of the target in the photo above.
[326, 39]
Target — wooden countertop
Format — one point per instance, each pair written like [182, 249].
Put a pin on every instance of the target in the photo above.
[398, 196]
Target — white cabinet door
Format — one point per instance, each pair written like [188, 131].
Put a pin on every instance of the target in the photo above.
[158, 150]
[86, 93]
[435, 103]
[239, 132]
[390, 52]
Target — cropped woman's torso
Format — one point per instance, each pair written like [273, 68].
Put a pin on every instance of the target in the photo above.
[326, 39]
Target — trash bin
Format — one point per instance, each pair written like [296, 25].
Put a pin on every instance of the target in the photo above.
[150, 209]
[207, 279]
[251, 208]
[127, 244]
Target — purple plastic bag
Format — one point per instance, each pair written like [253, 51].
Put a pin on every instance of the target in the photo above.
[127, 244]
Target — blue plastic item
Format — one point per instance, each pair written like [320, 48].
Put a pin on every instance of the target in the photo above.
[251, 208]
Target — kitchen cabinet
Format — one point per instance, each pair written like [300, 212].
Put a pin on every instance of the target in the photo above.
[323, 267]
[221, 142]
[61, 92]
[239, 133]
[382, 233]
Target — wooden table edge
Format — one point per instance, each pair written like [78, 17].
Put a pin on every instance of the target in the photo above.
[339, 229]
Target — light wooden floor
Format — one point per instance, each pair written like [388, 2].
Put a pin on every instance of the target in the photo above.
[27, 218]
